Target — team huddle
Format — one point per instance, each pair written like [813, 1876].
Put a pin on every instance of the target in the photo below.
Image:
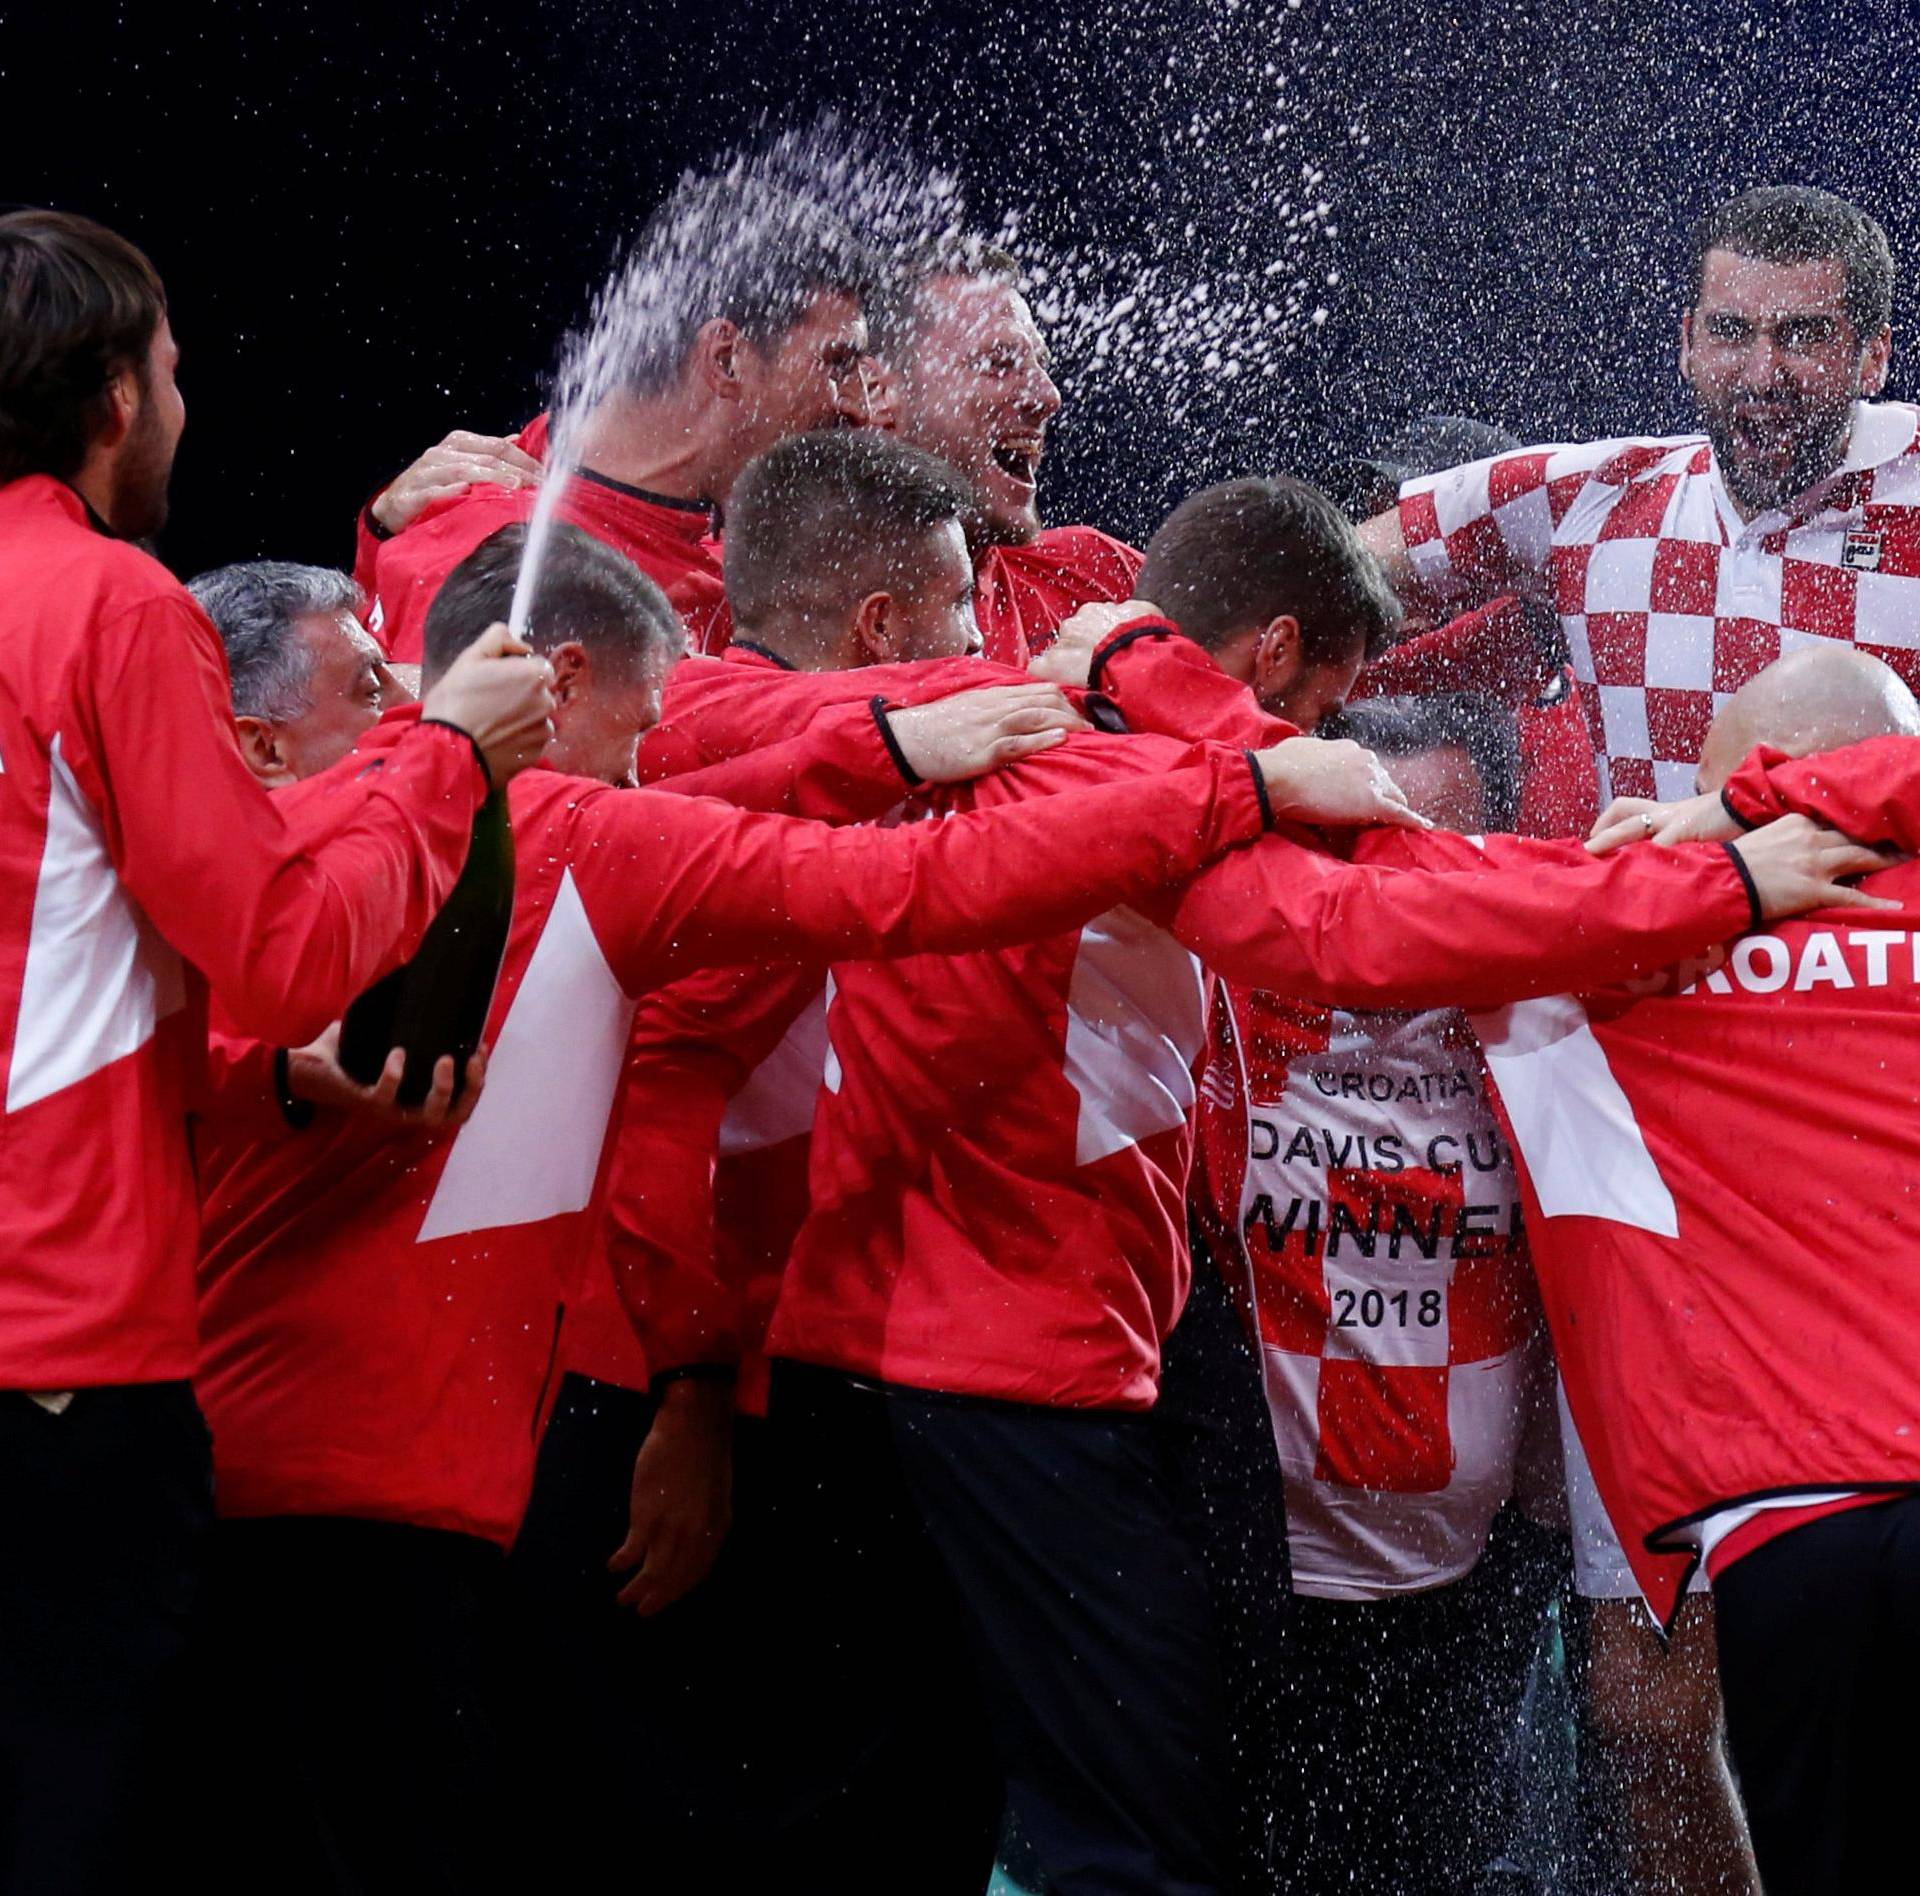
[1091, 1171]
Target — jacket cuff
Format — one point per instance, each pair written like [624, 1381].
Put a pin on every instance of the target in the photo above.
[1121, 637]
[911, 777]
[479, 756]
[691, 1372]
[370, 522]
[1260, 790]
[1733, 810]
[1756, 915]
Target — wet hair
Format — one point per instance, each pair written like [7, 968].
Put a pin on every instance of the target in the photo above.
[1246, 551]
[78, 305]
[256, 608]
[1795, 223]
[736, 246]
[587, 593]
[822, 519]
[1468, 721]
[893, 308]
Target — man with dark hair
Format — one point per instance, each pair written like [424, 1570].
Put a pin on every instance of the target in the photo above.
[746, 327]
[1266, 576]
[380, 1309]
[142, 863]
[1681, 567]
[308, 678]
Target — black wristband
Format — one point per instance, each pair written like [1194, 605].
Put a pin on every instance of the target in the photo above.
[298, 1113]
[479, 756]
[879, 708]
[1747, 882]
[1726, 803]
[1260, 789]
[1153, 629]
[691, 1372]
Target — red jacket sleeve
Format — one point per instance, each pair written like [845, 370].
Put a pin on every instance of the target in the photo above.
[1869, 791]
[286, 929]
[660, 1210]
[1161, 681]
[1527, 919]
[1494, 650]
[843, 768]
[674, 883]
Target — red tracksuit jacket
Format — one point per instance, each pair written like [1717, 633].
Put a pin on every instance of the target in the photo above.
[700, 1286]
[1027, 591]
[669, 540]
[380, 1313]
[1719, 1182]
[999, 1163]
[733, 1060]
[140, 860]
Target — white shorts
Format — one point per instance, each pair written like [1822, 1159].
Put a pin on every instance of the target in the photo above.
[1600, 1569]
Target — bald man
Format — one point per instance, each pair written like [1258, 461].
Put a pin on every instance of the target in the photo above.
[1719, 1198]
[1818, 698]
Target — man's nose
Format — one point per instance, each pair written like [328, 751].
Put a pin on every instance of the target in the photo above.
[1042, 395]
[1763, 359]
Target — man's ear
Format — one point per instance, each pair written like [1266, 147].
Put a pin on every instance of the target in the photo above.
[123, 397]
[716, 354]
[1686, 341]
[260, 746]
[1277, 657]
[1873, 363]
[873, 629]
[572, 668]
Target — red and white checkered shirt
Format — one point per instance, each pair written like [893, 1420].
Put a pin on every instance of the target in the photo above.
[1378, 1218]
[1670, 601]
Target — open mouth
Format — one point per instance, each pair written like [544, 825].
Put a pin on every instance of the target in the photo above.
[1018, 457]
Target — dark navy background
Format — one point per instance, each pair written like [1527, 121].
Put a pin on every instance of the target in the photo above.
[374, 224]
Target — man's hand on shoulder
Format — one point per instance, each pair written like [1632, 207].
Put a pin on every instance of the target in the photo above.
[963, 736]
[463, 459]
[1641, 820]
[1069, 658]
[1797, 864]
[1334, 783]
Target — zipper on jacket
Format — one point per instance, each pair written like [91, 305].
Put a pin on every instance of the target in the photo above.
[546, 1375]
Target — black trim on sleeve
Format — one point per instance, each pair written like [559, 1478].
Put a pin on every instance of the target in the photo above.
[1119, 641]
[691, 1372]
[879, 707]
[371, 520]
[1726, 803]
[1759, 919]
[479, 756]
[298, 1113]
[1260, 790]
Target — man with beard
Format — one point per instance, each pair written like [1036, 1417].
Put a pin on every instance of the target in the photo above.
[1681, 567]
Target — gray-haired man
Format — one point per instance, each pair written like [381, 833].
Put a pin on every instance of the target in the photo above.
[308, 677]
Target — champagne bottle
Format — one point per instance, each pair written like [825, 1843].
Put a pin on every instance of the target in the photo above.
[438, 1002]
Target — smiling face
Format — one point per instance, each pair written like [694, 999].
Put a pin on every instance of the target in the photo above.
[1776, 365]
[973, 387]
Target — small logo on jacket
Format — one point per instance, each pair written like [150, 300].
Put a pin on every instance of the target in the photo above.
[1861, 550]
